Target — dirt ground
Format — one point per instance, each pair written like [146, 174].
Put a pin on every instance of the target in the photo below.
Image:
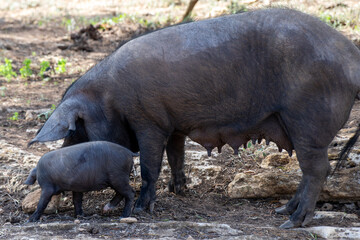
[40, 31]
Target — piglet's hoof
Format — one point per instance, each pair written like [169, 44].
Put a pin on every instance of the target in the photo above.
[288, 224]
[282, 210]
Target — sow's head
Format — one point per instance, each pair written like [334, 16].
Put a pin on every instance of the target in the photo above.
[61, 124]
[78, 119]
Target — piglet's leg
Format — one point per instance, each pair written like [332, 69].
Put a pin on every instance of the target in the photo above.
[77, 200]
[124, 189]
[113, 203]
[46, 194]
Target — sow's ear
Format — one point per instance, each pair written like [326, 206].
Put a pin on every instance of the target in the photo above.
[60, 124]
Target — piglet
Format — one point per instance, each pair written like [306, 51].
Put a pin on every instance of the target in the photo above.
[81, 168]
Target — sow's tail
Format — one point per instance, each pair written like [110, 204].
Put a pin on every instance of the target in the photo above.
[31, 178]
[347, 148]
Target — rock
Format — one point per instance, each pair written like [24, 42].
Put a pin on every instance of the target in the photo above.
[339, 215]
[274, 183]
[327, 207]
[30, 202]
[279, 160]
[343, 185]
[77, 221]
[29, 116]
[335, 232]
[156, 230]
[93, 230]
[128, 220]
[281, 175]
[350, 206]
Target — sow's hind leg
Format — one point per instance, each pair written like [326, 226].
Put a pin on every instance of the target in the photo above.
[315, 166]
[310, 138]
[175, 154]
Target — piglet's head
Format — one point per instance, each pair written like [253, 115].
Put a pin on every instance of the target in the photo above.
[61, 122]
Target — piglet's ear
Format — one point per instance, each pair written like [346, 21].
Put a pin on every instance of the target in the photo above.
[60, 124]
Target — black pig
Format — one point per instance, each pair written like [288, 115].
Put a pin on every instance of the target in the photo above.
[81, 168]
[274, 74]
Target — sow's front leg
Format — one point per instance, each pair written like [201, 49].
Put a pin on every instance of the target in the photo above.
[175, 153]
[152, 143]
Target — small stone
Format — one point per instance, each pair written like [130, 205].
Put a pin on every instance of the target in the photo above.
[128, 220]
[190, 238]
[350, 164]
[29, 116]
[283, 201]
[350, 206]
[327, 207]
[1, 210]
[94, 230]
[14, 219]
[77, 221]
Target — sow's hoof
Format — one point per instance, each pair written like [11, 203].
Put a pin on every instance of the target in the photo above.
[282, 210]
[178, 189]
[288, 224]
[140, 209]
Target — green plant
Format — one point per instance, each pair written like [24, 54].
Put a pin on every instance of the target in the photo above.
[235, 7]
[44, 66]
[6, 70]
[69, 23]
[340, 21]
[61, 66]
[15, 117]
[2, 91]
[25, 71]
[47, 114]
[313, 236]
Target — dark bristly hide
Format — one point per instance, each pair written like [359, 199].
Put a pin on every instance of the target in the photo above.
[274, 74]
